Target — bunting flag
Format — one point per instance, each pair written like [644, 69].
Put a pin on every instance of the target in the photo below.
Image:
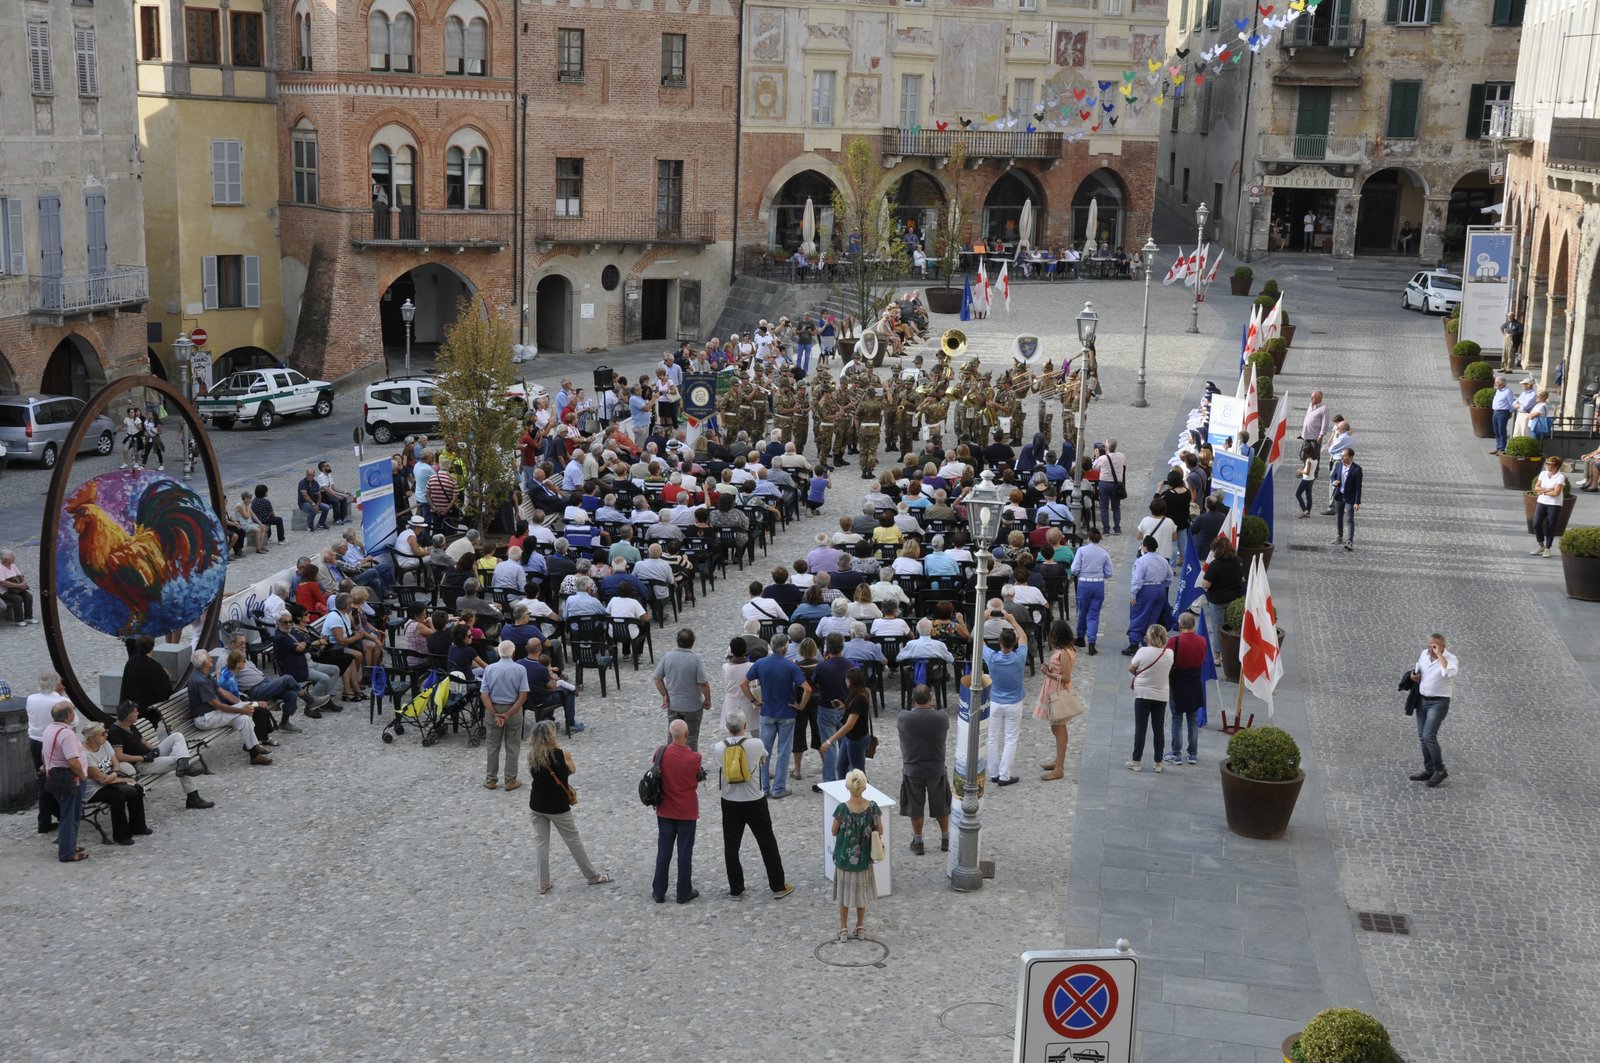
[1277, 431]
[1197, 267]
[1252, 332]
[1260, 660]
[1177, 272]
[1252, 406]
[1005, 285]
[1272, 324]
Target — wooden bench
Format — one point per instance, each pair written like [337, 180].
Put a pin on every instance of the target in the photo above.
[174, 714]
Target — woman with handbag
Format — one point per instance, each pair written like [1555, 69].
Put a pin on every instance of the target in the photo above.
[107, 785]
[550, 801]
[1111, 467]
[1058, 702]
[857, 842]
[1151, 666]
[854, 736]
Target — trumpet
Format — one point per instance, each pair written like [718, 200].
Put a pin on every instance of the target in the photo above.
[953, 344]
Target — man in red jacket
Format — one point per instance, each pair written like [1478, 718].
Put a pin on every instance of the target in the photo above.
[678, 813]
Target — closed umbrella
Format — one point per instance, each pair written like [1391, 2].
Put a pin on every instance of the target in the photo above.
[1025, 226]
[808, 230]
[884, 234]
[1089, 244]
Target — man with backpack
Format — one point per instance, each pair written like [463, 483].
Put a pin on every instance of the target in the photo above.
[745, 805]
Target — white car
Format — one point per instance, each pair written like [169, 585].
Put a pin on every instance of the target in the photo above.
[262, 395]
[401, 406]
[1432, 293]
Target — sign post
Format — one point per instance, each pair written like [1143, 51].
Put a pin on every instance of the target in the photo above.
[1077, 1005]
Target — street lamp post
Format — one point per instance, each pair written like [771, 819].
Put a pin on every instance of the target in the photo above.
[183, 354]
[1201, 216]
[984, 503]
[1148, 252]
[1088, 325]
[407, 312]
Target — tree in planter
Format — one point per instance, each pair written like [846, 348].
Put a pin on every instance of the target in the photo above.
[479, 428]
[1270, 290]
[956, 210]
[1580, 562]
[865, 206]
[1276, 348]
[1465, 349]
[1343, 1035]
[1253, 531]
[1483, 398]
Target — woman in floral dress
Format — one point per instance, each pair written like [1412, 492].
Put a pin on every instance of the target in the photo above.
[854, 822]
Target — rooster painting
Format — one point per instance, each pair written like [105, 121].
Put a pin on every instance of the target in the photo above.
[163, 571]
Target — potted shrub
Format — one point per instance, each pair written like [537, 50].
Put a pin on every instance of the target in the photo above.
[1569, 500]
[1232, 623]
[1580, 563]
[1482, 415]
[1240, 281]
[1270, 289]
[1252, 529]
[1261, 781]
[1452, 329]
[1520, 462]
[1286, 331]
[1278, 348]
[1473, 378]
[1341, 1035]
[1462, 355]
[1266, 401]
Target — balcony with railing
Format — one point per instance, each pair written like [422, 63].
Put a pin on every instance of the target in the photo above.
[981, 143]
[1323, 39]
[1312, 147]
[1574, 143]
[435, 228]
[86, 293]
[623, 227]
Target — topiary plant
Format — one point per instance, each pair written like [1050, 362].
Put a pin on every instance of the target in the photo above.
[1271, 288]
[1262, 360]
[1524, 447]
[1243, 272]
[1483, 398]
[1478, 371]
[1268, 754]
[1566, 487]
[1340, 1035]
[1283, 318]
[1264, 386]
[1253, 530]
[1466, 349]
[1276, 345]
[1583, 541]
[1233, 618]
[1258, 471]
[1265, 301]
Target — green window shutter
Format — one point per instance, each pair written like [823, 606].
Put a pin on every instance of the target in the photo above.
[1435, 12]
[1183, 12]
[1391, 13]
[1502, 13]
[1403, 98]
[1475, 113]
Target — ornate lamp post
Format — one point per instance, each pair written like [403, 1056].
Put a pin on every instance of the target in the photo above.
[407, 312]
[984, 503]
[183, 355]
[1088, 325]
[1148, 253]
[1201, 216]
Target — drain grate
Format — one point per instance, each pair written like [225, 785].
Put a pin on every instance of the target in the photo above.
[1304, 548]
[857, 952]
[1384, 922]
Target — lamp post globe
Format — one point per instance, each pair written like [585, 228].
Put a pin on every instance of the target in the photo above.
[408, 311]
[984, 504]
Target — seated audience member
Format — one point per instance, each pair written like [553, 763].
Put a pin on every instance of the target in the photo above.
[106, 785]
[169, 754]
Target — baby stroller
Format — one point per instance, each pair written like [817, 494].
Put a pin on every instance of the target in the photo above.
[442, 703]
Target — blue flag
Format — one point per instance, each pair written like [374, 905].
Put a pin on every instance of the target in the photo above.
[1262, 507]
[1188, 591]
[966, 298]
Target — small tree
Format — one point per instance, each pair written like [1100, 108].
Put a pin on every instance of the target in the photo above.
[865, 208]
[478, 425]
[956, 211]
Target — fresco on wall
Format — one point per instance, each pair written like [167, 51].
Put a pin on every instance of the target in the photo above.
[1072, 48]
[764, 89]
[861, 94]
[971, 66]
[766, 35]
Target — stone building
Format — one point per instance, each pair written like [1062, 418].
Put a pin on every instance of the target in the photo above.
[817, 74]
[1370, 116]
[1553, 197]
[208, 121]
[73, 282]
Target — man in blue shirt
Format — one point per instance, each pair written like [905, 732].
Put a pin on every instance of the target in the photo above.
[1007, 668]
[831, 696]
[1092, 567]
[583, 603]
[1147, 593]
[639, 408]
[783, 689]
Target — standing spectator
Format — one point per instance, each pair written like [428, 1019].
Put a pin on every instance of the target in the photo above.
[1308, 478]
[144, 680]
[1151, 666]
[685, 689]
[1314, 428]
[1111, 468]
[212, 708]
[1092, 567]
[262, 508]
[171, 753]
[1162, 528]
[853, 734]
[309, 499]
[550, 803]
[1540, 423]
[61, 749]
[678, 814]
[1500, 411]
[1435, 676]
[14, 590]
[1222, 582]
[924, 783]
[1147, 597]
[1551, 488]
[1512, 330]
[831, 682]
[1057, 676]
[1007, 669]
[1347, 495]
[1186, 689]
[1204, 528]
[39, 708]
[504, 690]
[107, 785]
[745, 805]
[854, 885]
[783, 689]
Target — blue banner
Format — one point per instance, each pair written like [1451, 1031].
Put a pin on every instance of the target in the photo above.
[1263, 507]
[1230, 473]
[966, 298]
[376, 502]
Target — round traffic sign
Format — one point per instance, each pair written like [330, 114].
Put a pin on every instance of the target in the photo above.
[1080, 1001]
[1256, 190]
[198, 336]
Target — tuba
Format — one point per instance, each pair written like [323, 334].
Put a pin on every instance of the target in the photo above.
[954, 343]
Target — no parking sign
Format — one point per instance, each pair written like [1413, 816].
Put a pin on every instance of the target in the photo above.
[1076, 1006]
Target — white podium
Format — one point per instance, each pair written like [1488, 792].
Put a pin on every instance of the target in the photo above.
[833, 793]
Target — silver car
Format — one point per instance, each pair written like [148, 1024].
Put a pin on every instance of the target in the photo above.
[35, 428]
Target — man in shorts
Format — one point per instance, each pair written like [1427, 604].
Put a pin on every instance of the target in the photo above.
[924, 781]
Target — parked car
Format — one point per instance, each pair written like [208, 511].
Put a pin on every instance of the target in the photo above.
[35, 428]
[401, 406]
[1432, 293]
[261, 395]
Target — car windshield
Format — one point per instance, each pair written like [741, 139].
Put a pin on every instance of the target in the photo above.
[1452, 284]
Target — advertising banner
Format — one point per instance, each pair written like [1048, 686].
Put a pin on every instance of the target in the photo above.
[1486, 285]
[376, 502]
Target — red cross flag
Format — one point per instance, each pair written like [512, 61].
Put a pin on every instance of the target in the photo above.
[1276, 432]
[1272, 324]
[1252, 408]
[1005, 285]
[1178, 269]
[1260, 659]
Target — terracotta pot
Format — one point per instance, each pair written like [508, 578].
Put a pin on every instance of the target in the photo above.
[1451, 338]
[1230, 655]
[1267, 408]
[1240, 285]
[1583, 577]
[1277, 362]
[1482, 422]
[944, 300]
[1259, 809]
[1567, 505]
[1517, 473]
[1248, 552]
[1288, 334]
[846, 348]
[1288, 1046]
[1469, 388]
[1459, 363]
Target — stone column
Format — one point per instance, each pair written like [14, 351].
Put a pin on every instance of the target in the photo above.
[1345, 212]
[1434, 210]
[1533, 321]
[1555, 339]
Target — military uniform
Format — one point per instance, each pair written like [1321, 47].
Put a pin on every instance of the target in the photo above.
[801, 419]
[869, 421]
[824, 411]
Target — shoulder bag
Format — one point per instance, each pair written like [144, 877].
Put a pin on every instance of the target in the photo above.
[572, 795]
[650, 783]
[1121, 488]
[878, 853]
[59, 782]
[1164, 651]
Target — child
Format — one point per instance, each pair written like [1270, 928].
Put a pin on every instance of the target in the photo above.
[817, 489]
[1308, 477]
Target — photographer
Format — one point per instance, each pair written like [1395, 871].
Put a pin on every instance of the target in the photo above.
[1006, 667]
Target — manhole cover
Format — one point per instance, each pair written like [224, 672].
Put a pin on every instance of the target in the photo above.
[979, 1018]
[1305, 548]
[862, 952]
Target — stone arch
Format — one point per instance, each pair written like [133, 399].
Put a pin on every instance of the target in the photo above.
[74, 368]
[1561, 271]
[825, 167]
[436, 291]
[1471, 193]
[8, 376]
[919, 195]
[1002, 206]
[1107, 187]
[1390, 196]
[552, 312]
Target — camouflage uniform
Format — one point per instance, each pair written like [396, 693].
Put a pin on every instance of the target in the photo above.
[802, 418]
[869, 420]
[824, 409]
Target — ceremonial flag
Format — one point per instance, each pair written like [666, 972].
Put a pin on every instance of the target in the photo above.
[1252, 408]
[693, 426]
[1252, 332]
[1277, 432]
[1177, 270]
[1272, 324]
[1216, 264]
[1005, 285]
[1197, 267]
[1260, 661]
[1263, 506]
[966, 298]
[981, 294]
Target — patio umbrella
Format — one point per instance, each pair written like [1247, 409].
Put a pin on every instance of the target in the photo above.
[808, 229]
[1025, 226]
[884, 235]
[1089, 244]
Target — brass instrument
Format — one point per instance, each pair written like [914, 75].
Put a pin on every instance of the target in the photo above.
[952, 391]
[953, 344]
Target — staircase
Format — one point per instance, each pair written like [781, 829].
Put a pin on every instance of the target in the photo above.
[753, 298]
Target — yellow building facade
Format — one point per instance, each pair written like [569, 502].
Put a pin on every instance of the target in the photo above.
[208, 124]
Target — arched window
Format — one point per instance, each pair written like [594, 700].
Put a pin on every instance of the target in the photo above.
[394, 194]
[304, 141]
[391, 41]
[466, 46]
[302, 37]
[464, 172]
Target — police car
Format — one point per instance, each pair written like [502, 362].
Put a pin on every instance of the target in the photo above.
[1432, 293]
[261, 396]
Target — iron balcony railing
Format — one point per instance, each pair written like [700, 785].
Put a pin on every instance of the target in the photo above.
[624, 227]
[1307, 33]
[86, 292]
[1575, 142]
[981, 143]
[443, 228]
[1312, 147]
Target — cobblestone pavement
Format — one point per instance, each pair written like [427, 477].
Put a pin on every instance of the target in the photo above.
[374, 902]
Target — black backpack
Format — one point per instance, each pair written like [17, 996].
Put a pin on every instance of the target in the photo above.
[650, 783]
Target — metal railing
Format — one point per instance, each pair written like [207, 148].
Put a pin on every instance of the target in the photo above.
[1306, 33]
[462, 228]
[1574, 142]
[981, 143]
[86, 292]
[624, 227]
[1312, 147]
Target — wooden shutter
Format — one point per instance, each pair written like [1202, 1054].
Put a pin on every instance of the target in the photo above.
[39, 69]
[1403, 99]
[15, 245]
[94, 225]
[1475, 113]
[208, 280]
[1391, 11]
[88, 68]
[219, 171]
[1435, 12]
[50, 263]
[252, 280]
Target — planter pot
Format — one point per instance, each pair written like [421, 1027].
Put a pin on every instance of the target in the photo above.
[1482, 422]
[1240, 285]
[1259, 809]
[1459, 363]
[1277, 363]
[1529, 501]
[846, 348]
[1230, 655]
[1267, 408]
[944, 300]
[1451, 338]
[1469, 388]
[1288, 1046]
[1248, 552]
[1287, 333]
[1517, 473]
[1583, 577]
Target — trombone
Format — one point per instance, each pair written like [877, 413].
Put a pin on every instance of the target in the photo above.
[953, 344]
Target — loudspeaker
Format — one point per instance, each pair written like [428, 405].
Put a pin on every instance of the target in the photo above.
[602, 378]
